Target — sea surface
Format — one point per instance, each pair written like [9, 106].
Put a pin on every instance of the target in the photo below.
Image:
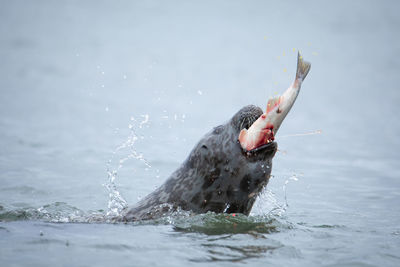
[100, 101]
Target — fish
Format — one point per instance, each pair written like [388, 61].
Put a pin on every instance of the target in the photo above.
[264, 129]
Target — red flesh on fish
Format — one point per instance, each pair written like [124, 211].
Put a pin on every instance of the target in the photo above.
[264, 129]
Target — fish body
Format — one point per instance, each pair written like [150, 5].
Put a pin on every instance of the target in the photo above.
[264, 129]
[260, 133]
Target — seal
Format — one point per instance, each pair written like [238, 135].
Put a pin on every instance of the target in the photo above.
[217, 176]
[229, 166]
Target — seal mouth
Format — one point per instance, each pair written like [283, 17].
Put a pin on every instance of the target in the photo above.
[267, 148]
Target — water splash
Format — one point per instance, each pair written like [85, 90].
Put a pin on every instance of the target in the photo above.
[267, 204]
[116, 202]
[272, 201]
[145, 120]
[54, 212]
[226, 207]
[293, 177]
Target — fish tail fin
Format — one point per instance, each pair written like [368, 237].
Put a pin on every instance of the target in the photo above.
[303, 67]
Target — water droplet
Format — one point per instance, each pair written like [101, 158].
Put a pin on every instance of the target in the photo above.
[107, 109]
[199, 92]
[145, 120]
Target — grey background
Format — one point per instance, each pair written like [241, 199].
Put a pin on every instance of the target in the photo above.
[74, 73]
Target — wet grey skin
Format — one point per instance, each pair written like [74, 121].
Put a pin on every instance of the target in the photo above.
[217, 176]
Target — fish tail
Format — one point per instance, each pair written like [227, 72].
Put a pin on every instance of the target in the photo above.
[303, 67]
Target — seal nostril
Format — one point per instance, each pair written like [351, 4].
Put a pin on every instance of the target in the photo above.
[204, 146]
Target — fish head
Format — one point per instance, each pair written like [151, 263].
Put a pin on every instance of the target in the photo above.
[260, 133]
[256, 135]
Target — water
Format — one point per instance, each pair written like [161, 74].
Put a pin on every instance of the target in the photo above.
[101, 101]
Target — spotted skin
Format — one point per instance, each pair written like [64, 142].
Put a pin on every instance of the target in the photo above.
[217, 176]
